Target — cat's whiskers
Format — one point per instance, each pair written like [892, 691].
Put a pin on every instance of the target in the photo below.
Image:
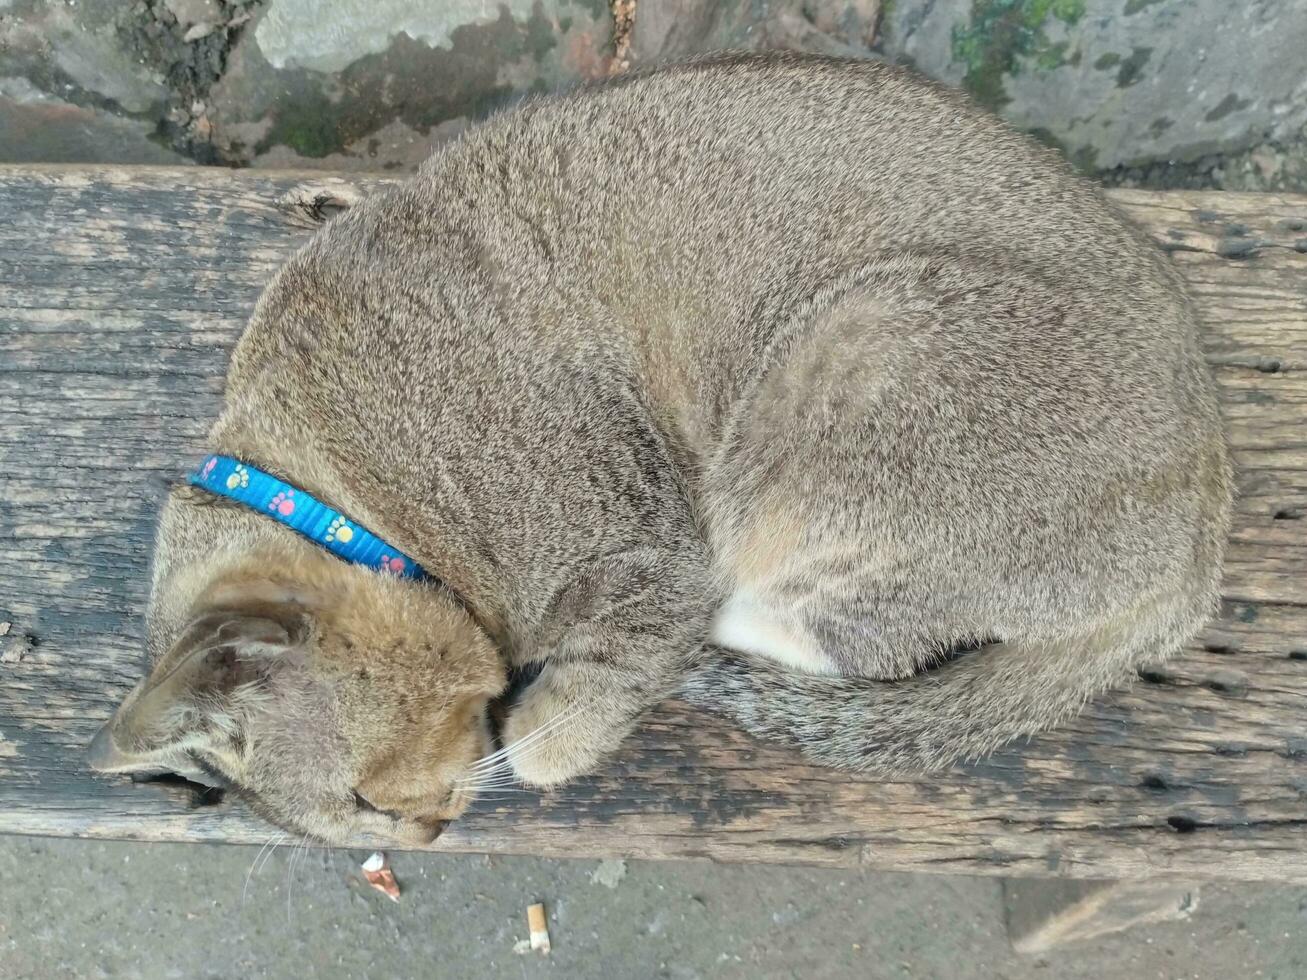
[477, 791]
[553, 723]
[499, 760]
[281, 839]
[273, 840]
[300, 849]
[499, 775]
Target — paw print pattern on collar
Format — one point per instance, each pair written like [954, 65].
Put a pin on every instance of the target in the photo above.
[304, 513]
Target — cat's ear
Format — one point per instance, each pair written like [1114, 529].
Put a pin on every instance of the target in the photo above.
[194, 697]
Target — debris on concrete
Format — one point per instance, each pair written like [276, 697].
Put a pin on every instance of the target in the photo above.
[376, 871]
[609, 873]
[536, 922]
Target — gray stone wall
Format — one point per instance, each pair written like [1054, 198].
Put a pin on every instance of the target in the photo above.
[1166, 92]
[1123, 84]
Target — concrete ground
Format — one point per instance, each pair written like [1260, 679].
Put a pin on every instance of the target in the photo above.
[80, 909]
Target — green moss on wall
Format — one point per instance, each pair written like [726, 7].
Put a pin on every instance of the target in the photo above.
[1000, 32]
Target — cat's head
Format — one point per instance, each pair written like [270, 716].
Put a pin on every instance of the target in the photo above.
[337, 700]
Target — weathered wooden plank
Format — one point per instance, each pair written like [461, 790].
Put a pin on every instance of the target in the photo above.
[121, 291]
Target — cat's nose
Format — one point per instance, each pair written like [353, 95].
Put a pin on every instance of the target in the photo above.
[105, 756]
[434, 828]
[101, 752]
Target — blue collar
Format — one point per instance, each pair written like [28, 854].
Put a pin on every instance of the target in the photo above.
[301, 512]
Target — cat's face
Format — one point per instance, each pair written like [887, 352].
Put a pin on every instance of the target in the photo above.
[337, 701]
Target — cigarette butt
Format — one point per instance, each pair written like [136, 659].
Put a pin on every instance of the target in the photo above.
[378, 874]
[535, 920]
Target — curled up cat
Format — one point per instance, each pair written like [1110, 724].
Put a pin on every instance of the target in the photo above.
[797, 387]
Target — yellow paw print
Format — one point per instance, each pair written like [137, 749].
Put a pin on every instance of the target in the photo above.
[340, 531]
[240, 477]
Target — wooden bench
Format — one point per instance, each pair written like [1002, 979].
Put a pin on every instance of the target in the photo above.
[121, 292]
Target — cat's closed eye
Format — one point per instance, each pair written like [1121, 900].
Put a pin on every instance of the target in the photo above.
[364, 805]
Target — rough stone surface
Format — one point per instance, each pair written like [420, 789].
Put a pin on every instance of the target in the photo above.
[192, 12]
[387, 108]
[364, 85]
[37, 127]
[294, 33]
[75, 51]
[1119, 83]
[124, 60]
[1163, 93]
[666, 29]
[1274, 165]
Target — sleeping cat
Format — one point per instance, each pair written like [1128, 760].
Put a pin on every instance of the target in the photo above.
[798, 386]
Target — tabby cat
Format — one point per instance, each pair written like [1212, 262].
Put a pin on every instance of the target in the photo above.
[797, 386]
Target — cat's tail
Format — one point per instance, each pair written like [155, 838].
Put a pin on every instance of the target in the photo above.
[963, 709]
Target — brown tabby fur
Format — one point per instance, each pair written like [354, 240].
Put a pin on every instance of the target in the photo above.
[776, 380]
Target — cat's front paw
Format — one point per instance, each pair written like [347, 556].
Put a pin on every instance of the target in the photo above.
[549, 740]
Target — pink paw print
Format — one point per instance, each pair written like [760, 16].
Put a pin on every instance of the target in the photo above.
[283, 503]
[208, 467]
[390, 564]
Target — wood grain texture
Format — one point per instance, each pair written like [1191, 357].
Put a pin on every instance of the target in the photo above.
[121, 291]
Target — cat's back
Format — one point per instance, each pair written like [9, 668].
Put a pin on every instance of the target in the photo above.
[660, 228]
[690, 209]
[777, 159]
